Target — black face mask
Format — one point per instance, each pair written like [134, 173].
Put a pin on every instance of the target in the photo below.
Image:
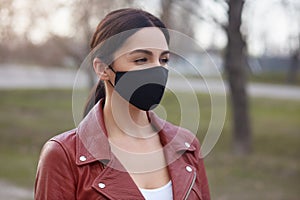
[142, 88]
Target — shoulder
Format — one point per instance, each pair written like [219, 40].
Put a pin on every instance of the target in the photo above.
[55, 167]
[65, 137]
[181, 135]
[174, 129]
[59, 146]
[174, 133]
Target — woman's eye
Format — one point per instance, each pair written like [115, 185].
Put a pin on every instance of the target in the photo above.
[164, 60]
[141, 60]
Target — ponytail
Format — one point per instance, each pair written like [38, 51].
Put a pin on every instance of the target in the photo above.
[97, 93]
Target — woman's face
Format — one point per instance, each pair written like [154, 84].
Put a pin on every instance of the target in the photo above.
[145, 48]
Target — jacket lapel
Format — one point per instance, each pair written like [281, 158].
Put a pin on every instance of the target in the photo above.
[182, 179]
[116, 184]
[91, 146]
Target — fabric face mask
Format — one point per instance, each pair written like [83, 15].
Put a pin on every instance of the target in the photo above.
[142, 88]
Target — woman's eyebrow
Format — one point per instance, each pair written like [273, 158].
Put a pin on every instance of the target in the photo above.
[165, 52]
[147, 52]
[141, 51]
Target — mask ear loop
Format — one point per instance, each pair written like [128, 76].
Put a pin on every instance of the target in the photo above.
[110, 67]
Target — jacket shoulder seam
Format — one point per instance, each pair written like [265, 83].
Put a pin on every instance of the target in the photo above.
[65, 150]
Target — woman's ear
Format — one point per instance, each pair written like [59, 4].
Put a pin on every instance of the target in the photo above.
[100, 69]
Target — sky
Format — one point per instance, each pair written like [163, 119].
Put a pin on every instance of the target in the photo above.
[268, 24]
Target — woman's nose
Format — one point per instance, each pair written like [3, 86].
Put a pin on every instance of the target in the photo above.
[157, 62]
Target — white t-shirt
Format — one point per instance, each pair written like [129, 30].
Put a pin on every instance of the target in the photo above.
[162, 193]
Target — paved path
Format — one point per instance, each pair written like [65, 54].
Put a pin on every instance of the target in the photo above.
[37, 77]
[11, 192]
[272, 91]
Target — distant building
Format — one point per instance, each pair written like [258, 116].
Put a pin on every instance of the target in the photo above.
[198, 63]
[269, 64]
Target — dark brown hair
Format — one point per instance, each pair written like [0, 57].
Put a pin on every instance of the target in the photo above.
[125, 22]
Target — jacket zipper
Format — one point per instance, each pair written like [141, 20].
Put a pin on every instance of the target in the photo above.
[191, 186]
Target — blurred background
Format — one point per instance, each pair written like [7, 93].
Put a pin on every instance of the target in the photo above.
[255, 44]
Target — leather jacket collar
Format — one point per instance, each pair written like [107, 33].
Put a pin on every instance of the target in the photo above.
[91, 132]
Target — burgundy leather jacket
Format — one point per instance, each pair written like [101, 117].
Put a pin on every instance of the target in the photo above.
[79, 164]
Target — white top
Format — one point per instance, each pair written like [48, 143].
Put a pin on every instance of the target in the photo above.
[162, 193]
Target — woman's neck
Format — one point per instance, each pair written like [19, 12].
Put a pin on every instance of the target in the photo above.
[121, 117]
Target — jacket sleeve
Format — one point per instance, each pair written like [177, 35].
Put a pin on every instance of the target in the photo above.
[202, 181]
[54, 178]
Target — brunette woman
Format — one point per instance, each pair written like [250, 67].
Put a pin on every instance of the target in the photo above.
[121, 149]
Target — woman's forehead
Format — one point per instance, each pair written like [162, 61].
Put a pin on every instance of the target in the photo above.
[145, 38]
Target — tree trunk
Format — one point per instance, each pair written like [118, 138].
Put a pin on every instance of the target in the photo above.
[234, 65]
[166, 12]
[293, 69]
[295, 65]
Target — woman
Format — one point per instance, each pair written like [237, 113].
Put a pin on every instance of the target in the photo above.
[121, 149]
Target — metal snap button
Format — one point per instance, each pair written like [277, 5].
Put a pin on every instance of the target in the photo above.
[82, 158]
[101, 185]
[188, 168]
[187, 144]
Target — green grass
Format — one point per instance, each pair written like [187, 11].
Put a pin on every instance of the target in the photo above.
[29, 117]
